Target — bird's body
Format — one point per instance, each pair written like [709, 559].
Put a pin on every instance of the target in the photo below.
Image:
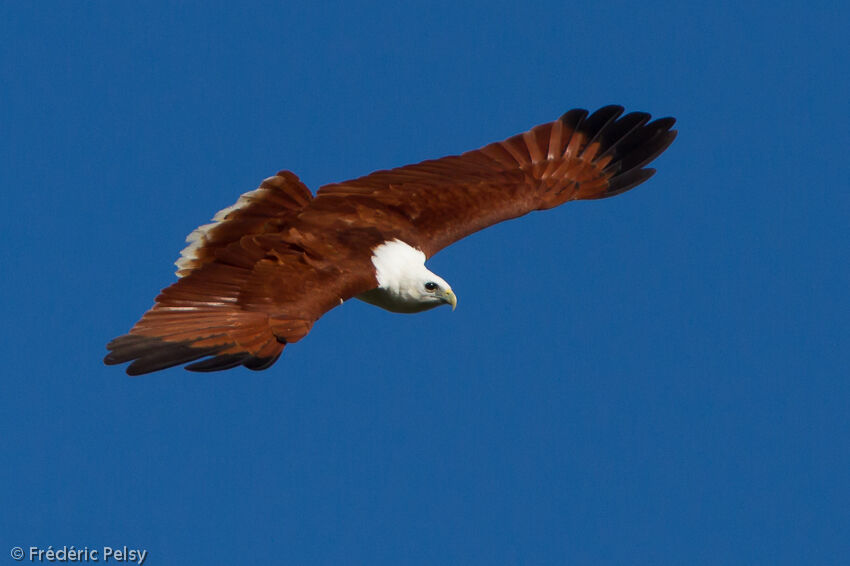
[269, 266]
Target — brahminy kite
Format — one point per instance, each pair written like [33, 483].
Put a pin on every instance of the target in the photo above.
[268, 267]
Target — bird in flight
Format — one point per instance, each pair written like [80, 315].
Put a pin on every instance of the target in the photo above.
[268, 267]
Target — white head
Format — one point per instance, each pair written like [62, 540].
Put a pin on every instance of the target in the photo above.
[404, 283]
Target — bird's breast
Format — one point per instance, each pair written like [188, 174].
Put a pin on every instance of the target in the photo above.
[394, 302]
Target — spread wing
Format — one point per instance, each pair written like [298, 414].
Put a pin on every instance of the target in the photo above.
[435, 203]
[251, 283]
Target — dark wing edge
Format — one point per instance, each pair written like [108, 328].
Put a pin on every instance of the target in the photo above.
[580, 156]
[198, 317]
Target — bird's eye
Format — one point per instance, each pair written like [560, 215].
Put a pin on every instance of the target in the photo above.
[430, 286]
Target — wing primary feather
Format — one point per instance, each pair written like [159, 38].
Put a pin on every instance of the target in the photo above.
[599, 120]
[574, 143]
[258, 364]
[620, 131]
[125, 348]
[574, 118]
[165, 355]
[555, 136]
[647, 150]
[220, 362]
[626, 181]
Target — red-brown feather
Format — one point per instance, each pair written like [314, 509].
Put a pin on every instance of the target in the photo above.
[264, 210]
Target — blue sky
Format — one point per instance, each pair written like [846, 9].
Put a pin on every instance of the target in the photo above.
[658, 378]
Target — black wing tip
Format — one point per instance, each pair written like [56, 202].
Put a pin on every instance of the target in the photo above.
[631, 141]
[218, 363]
[630, 180]
[149, 354]
[574, 118]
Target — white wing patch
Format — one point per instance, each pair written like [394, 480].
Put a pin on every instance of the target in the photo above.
[198, 237]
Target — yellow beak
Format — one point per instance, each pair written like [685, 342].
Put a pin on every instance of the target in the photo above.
[450, 298]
